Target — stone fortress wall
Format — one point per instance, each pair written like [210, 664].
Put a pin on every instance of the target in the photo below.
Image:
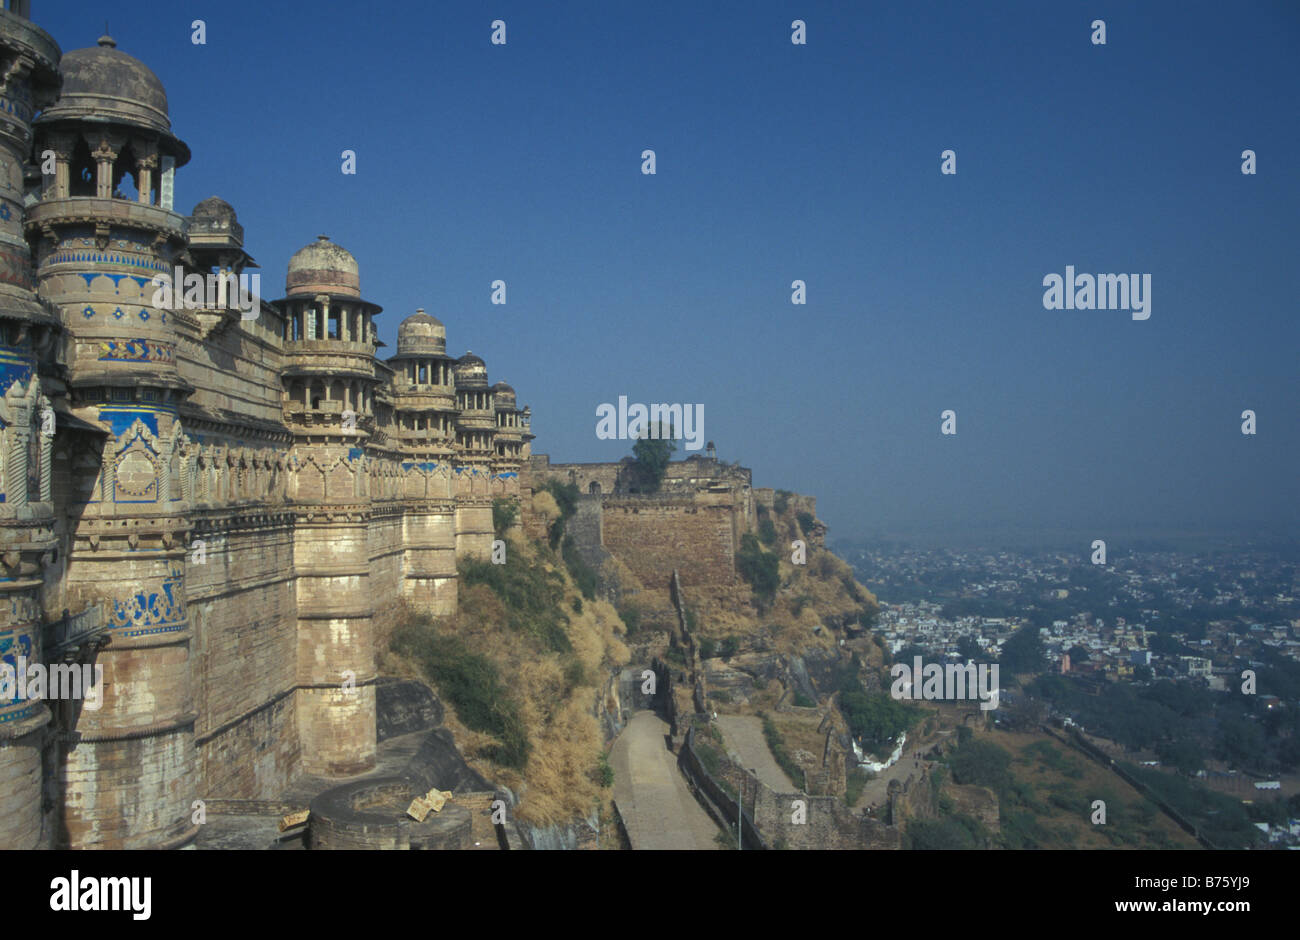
[221, 508]
[693, 523]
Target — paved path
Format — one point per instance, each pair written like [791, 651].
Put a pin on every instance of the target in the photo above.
[876, 792]
[657, 807]
[744, 736]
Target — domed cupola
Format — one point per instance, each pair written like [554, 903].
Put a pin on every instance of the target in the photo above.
[471, 372]
[421, 335]
[323, 268]
[103, 85]
[215, 217]
[503, 396]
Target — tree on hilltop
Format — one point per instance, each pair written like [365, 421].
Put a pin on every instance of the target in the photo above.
[652, 456]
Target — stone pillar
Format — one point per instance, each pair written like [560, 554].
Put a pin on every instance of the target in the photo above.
[47, 445]
[16, 462]
[146, 163]
[104, 155]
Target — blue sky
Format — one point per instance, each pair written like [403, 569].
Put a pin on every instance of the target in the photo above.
[818, 162]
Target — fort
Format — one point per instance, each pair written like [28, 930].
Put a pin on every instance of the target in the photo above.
[220, 509]
[222, 505]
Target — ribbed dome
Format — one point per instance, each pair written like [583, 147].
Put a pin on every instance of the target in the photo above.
[103, 83]
[503, 396]
[323, 268]
[421, 335]
[471, 372]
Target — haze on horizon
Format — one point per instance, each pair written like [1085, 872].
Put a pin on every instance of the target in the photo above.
[821, 162]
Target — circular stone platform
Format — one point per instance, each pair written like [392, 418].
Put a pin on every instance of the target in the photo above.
[371, 814]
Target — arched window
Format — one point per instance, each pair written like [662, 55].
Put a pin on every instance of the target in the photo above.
[81, 175]
[125, 183]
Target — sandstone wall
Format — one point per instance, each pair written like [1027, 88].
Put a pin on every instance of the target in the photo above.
[385, 547]
[654, 535]
[243, 612]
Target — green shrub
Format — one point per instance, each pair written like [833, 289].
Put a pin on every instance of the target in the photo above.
[802, 701]
[983, 764]
[767, 532]
[577, 605]
[651, 456]
[531, 594]
[566, 497]
[806, 521]
[730, 646]
[584, 576]
[708, 648]
[953, 832]
[575, 674]
[776, 744]
[853, 785]
[504, 514]
[781, 502]
[630, 614]
[759, 569]
[604, 772]
[710, 758]
[473, 686]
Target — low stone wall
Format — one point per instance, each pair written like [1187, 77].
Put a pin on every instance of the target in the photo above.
[770, 816]
[482, 830]
[720, 804]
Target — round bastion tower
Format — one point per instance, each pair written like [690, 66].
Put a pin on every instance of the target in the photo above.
[476, 425]
[29, 547]
[330, 379]
[423, 393]
[102, 230]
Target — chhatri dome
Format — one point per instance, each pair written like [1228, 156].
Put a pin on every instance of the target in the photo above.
[471, 372]
[323, 268]
[503, 396]
[215, 216]
[421, 335]
[103, 84]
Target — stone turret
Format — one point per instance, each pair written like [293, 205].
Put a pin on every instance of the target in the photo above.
[330, 343]
[510, 434]
[130, 778]
[476, 424]
[423, 391]
[330, 379]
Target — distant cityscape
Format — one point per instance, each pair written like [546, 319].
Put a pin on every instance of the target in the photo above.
[1185, 664]
[1187, 616]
